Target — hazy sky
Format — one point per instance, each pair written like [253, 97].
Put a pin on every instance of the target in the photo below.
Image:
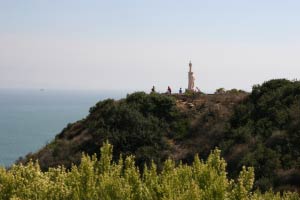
[134, 44]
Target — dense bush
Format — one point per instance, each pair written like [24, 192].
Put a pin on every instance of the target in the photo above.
[103, 179]
[264, 133]
[139, 124]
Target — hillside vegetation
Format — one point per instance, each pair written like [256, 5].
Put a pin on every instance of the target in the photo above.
[264, 133]
[260, 129]
[103, 179]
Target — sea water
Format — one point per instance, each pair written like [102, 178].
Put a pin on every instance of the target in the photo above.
[29, 119]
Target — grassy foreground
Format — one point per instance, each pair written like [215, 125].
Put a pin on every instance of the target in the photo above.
[103, 179]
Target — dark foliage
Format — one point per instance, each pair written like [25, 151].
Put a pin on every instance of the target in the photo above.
[265, 133]
[139, 125]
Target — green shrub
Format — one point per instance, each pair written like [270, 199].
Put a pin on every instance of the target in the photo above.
[104, 179]
[267, 123]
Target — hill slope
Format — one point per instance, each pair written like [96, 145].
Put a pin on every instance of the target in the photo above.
[260, 129]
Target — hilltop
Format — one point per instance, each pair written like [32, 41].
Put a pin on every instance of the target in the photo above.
[259, 129]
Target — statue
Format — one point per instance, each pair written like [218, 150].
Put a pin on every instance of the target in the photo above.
[191, 79]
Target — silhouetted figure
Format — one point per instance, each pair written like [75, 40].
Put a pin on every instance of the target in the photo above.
[153, 89]
[169, 90]
[180, 91]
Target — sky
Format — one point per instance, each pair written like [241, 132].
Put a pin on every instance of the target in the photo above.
[135, 44]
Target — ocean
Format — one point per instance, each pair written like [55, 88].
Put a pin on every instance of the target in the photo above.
[29, 119]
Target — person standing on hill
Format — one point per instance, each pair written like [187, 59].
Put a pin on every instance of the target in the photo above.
[169, 90]
[153, 89]
[180, 91]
